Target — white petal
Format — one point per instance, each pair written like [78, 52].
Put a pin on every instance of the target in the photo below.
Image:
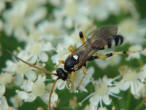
[43, 57]
[94, 100]
[19, 79]
[27, 97]
[107, 100]
[47, 47]
[2, 90]
[102, 108]
[60, 84]
[38, 88]
[3, 103]
[124, 86]
[54, 98]
[45, 98]
[16, 101]
[41, 78]
[31, 76]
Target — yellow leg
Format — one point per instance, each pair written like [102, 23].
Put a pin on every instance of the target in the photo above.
[61, 62]
[108, 55]
[73, 79]
[83, 37]
[111, 54]
[84, 71]
[71, 49]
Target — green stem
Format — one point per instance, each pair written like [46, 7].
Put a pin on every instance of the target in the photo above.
[138, 107]
[128, 101]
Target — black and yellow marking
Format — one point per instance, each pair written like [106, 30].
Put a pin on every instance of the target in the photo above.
[83, 37]
[111, 54]
[118, 39]
[107, 55]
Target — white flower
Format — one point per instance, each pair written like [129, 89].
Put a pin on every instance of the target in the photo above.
[27, 85]
[22, 68]
[54, 99]
[38, 88]
[16, 101]
[136, 55]
[55, 2]
[51, 29]
[143, 73]
[6, 78]
[32, 5]
[132, 31]
[15, 17]
[102, 108]
[103, 8]
[62, 53]
[22, 16]
[144, 52]
[2, 6]
[60, 84]
[4, 105]
[37, 50]
[31, 90]
[74, 13]
[31, 76]
[27, 97]
[130, 79]
[18, 67]
[79, 74]
[142, 92]
[103, 89]
[2, 90]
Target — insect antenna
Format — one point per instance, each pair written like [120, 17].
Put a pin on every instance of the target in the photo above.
[36, 67]
[52, 89]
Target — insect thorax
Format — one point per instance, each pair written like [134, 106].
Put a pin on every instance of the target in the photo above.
[70, 63]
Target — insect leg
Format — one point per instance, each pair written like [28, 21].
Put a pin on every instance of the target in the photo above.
[71, 49]
[82, 36]
[84, 71]
[73, 79]
[114, 53]
[61, 62]
[106, 55]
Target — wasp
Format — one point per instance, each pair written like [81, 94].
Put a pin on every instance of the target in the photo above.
[102, 38]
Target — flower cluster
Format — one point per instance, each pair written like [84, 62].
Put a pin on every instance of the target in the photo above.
[47, 29]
